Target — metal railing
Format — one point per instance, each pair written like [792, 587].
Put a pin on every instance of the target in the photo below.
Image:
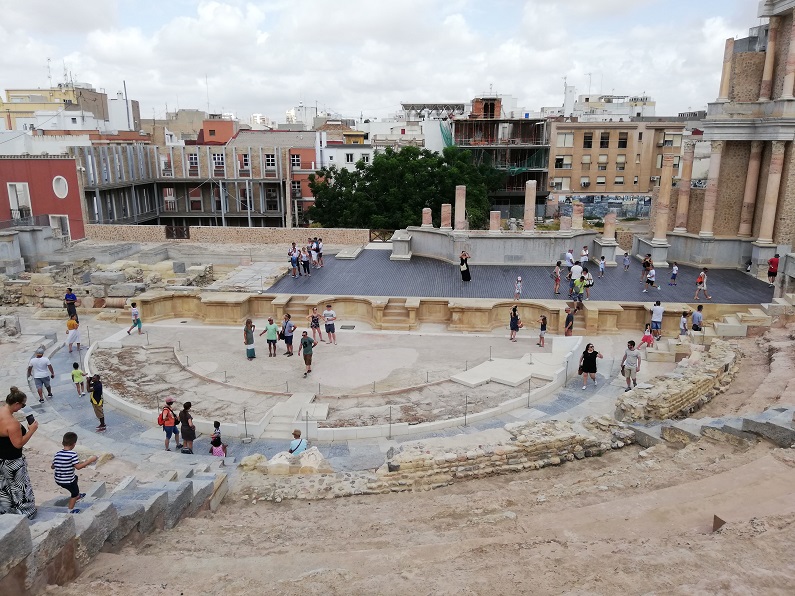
[27, 220]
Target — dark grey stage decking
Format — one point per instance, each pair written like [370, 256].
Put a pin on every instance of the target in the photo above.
[373, 274]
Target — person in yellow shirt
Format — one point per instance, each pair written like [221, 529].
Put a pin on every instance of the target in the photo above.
[78, 378]
[73, 332]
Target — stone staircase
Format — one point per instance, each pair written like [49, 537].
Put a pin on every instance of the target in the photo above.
[56, 546]
[289, 415]
[395, 316]
[774, 424]
[780, 306]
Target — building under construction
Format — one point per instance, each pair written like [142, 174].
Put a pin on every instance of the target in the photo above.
[517, 146]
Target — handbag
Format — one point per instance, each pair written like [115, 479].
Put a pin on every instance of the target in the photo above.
[281, 335]
[463, 267]
[520, 324]
[579, 370]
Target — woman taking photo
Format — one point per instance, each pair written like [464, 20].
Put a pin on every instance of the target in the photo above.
[588, 364]
[16, 492]
[465, 275]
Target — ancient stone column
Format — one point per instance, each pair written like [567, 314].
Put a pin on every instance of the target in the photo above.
[766, 89]
[494, 222]
[460, 207]
[609, 231]
[725, 77]
[427, 219]
[683, 195]
[565, 223]
[577, 211]
[662, 207]
[751, 186]
[771, 193]
[529, 205]
[447, 216]
[711, 194]
[789, 70]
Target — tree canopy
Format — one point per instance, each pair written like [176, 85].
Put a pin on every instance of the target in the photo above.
[391, 192]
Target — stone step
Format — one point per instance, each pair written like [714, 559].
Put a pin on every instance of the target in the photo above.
[773, 309]
[203, 489]
[647, 436]
[681, 431]
[51, 533]
[93, 526]
[774, 425]
[660, 353]
[129, 513]
[180, 495]
[154, 503]
[790, 297]
[730, 327]
[756, 317]
[729, 431]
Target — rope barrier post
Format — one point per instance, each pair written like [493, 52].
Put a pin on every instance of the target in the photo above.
[88, 333]
[186, 361]
[179, 345]
[489, 353]
[287, 385]
[373, 387]
[306, 415]
[390, 423]
[224, 376]
[427, 377]
[466, 407]
[318, 388]
[147, 337]
[528, 393]
[246, 438]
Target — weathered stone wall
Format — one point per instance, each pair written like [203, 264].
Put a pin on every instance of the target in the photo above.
[782, 49]
[420, 466]
[746, 76]
[733, 168]
[695, 209]
[784, 230]
[761, 189]
[114, 233]
[227, 235]
[695, 382]
[624, 239]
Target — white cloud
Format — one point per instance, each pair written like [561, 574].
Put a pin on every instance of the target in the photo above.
[364, 56]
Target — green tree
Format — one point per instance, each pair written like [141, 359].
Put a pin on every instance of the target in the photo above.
[391, 192]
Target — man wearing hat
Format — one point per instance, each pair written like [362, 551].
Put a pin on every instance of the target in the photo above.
[272, 331]
[41, 369]
[170, 423]
[297, 445]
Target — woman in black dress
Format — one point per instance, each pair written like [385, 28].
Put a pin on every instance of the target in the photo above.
[514, 323]
[188, 429]
[465, 276]
[588, 364]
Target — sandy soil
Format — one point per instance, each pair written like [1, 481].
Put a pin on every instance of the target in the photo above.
[631, 522]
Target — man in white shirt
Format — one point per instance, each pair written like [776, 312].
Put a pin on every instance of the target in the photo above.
[584, 256]
[570, 258]
[651, 276]
[656, 320]
[41, 370]
[329, 316]
[630, 365]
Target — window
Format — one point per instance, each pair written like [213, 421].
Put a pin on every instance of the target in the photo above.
[349, 158]
[218, 160]
[244, 204]
[563, 162]
[193, 161]
[637, 158]
[677, 159]
[245, 164]
[295, 161]
[659, 160]
[195, 199]
[366, 157]
[635, 180]
[602, 165]
[331, 158]
[562, 183]
[619, 181]
[587, 140]
[271, 199]
[600, 181]
[672, 140]
[402, 131]
[19, 199]
[565, 139]
[585, 181]
[586, 159]
[270, 160]
[640, 136]
[621, 162]
[219, 206]
[60, 187]
[295, 186]
[212, 132]
[622, 140]
[604, 140]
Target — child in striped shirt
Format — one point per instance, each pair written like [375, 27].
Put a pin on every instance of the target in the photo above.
[65, 463]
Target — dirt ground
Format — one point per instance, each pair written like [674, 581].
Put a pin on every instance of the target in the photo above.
[631, 522]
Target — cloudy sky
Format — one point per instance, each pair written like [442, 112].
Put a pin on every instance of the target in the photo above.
[366, 56]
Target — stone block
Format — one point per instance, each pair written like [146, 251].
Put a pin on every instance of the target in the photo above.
[180, 495]
[203, 488]
[178, 267]
[93, 526]
[774, 425]
[647, 436]
[130, 514]
[16, 541]
[125, 290]
[681, 431]
[51, 533]
[729, 431]
[107, 278]
[154, 501]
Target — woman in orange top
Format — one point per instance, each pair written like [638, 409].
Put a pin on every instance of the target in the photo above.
[73, 332]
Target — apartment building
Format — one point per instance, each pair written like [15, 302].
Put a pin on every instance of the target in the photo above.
[253, 178]
[591, 160]
[517, 146]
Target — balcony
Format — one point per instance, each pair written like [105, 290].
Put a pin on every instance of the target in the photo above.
[23, 217]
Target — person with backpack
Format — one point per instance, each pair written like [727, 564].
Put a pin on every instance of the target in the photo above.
[168, 420]
[701, 284]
